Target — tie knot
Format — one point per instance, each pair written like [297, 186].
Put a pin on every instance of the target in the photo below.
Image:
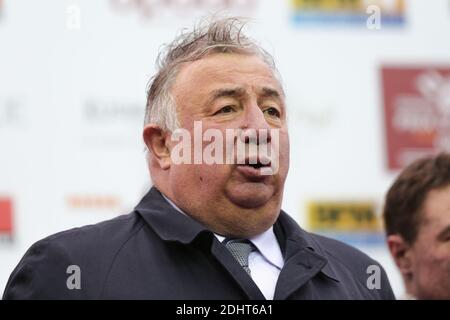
[240, 250]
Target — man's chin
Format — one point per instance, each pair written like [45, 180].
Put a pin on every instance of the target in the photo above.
[251, 195]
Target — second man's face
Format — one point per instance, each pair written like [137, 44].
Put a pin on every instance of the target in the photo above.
[431, 249]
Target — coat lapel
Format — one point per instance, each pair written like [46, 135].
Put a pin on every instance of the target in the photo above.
[303, 259]
[301, 267]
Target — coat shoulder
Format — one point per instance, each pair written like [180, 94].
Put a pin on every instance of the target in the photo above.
[353, 263]
[104, 234]
[45, 269]
[341, 252]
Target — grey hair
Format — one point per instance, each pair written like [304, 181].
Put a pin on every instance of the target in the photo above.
[209, 36]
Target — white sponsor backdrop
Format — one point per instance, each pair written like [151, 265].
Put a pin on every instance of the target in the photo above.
[72, 104]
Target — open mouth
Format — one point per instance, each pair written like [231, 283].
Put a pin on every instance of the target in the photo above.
[256, 165]
[257, 162]
[252, 166]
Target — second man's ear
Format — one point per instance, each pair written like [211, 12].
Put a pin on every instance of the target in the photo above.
[155, 139]
[400, 251]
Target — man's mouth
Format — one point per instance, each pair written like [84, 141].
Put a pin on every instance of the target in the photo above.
[256, 165]
[257, 161]
[251, 168]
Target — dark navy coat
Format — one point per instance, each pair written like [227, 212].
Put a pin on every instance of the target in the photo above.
[157, 253]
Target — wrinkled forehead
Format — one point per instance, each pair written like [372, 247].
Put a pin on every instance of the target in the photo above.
[214, 71]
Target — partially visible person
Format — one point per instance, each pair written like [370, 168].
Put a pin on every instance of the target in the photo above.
[417, 220]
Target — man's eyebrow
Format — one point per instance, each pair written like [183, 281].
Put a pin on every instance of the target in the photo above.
[228, 92]
[444, 233]
[269, 92]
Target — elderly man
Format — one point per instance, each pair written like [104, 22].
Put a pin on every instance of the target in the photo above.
[211, 227]
[417, 219]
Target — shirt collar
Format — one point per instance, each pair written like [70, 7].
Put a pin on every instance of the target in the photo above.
[267, 245]
[266, 242]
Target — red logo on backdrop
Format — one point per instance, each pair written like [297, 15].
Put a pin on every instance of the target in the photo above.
[6, 217]
[417, 113]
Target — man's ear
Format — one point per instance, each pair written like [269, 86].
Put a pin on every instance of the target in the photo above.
[402, 254]
[156, 141]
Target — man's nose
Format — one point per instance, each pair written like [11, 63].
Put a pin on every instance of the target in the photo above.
[255, 121]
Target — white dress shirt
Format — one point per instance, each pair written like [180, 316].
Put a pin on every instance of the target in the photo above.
[265, 263]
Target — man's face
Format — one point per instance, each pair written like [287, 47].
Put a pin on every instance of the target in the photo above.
[230, 91]
[430, 252]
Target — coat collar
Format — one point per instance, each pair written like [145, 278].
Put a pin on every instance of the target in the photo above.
[296, 239]
[163, 218]
[170, 225]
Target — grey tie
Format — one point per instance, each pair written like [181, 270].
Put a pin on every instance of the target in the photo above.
[240, 250]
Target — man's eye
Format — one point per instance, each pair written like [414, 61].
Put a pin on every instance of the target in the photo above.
[273, 112]
[226, 109]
